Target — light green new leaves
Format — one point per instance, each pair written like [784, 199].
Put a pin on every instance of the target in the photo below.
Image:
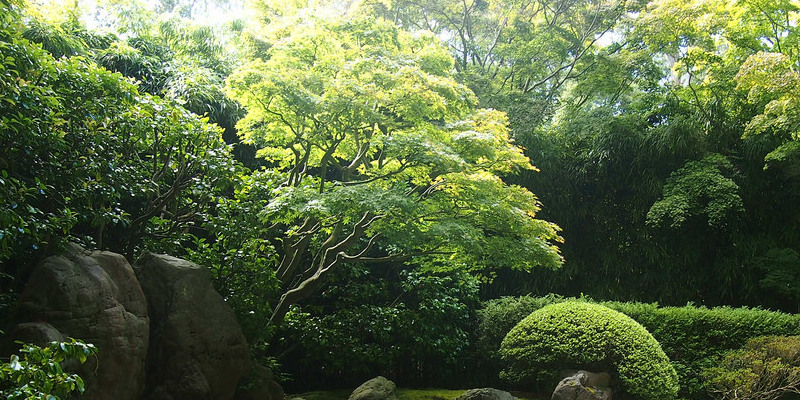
[771, 82]
[491, 225]
[769, 79]
[366, 119]
[342, 89]
[699, 188]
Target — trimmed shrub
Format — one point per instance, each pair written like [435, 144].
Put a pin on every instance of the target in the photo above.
[694, 338]
[580, 335]
[495, 320]
[767, 368]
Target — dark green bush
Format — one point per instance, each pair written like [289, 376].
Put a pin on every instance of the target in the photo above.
[692, 337]
[580, 335]
[767, 368]
[409, 326]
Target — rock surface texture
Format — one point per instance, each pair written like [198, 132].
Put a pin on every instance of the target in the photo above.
[197, 348]
[486, 394]
[93, 296]
[260, 385]
[166, 335]
[378, 388]
[583, 385]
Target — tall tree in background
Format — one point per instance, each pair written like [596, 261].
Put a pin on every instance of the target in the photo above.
[663, 154]
[680, 188]
[516, 55]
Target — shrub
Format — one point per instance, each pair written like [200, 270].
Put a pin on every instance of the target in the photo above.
[767, 368]
[38, 374]
[410, 326]
[692, 337]
[580, 335]
[495, 320]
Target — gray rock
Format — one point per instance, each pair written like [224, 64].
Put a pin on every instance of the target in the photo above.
[593, 379]
[95, 297]
[197, 348]
[378, 388]
[579, 387]
[260, 385]
[486, 394]
[40, 333]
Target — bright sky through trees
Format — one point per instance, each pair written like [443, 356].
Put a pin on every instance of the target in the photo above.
[96, 13]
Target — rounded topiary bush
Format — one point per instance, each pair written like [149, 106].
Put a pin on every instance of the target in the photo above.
[578, 335]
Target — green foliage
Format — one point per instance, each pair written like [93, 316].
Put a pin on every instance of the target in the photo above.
[580, 335]
[497, 317]
[109, 173]
[692, 337]
[517, 56]
[412, 326]
[242, 260]
[766, 368]
[700, 188]
[182, 61]
[385, 157]
[38, 374]
[653, 155]
[781, 268]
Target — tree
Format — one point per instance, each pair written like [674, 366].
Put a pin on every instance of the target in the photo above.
[518, 56]
[687, 91]
[383, 158]
[109, 174]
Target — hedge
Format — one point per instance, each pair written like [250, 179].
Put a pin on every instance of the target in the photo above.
[693, 337]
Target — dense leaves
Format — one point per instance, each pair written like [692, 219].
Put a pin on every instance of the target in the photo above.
[385, 158]
[765, 368]
[38, 373]
[412, 327]
[581, 335]
[109, 173]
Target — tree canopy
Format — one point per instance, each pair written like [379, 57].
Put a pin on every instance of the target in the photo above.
[313, 146]
[383, 157]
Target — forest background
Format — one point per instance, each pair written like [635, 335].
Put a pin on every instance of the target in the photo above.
[363, 174]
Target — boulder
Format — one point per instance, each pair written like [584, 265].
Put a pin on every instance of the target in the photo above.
[95, 297]
[486, 394]
[39, 333]
[378, 388]
[197, 349]
[583, 385]
[259, 385]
